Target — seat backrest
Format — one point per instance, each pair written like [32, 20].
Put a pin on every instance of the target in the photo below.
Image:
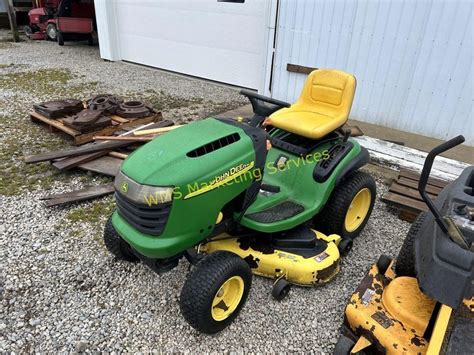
[329, 92]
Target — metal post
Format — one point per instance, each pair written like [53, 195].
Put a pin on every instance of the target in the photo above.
[12, 19]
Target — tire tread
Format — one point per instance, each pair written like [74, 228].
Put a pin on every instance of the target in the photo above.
[200, 285]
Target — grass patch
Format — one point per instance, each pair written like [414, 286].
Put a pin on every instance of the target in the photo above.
[162, 101]
[94, 213]
[43, 80]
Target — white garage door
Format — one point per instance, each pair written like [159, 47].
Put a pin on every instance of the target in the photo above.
[218, 40]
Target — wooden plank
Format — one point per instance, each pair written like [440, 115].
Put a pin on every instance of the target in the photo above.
[91, 148]
[118, 155]
[434, 190]
[72, 162]
[104, 165]
[79, 195]
[124, 139]
[407, 191]
[295, 68]
[119, 119]
[410, 174]
[404, 202]
[408, 216]
[395, 156]
[155, 130]
[35, 116]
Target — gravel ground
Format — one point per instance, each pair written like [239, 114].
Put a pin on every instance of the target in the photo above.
[59, 288]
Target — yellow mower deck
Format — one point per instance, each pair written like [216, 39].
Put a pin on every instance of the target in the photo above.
[274, 263]
[391, 314]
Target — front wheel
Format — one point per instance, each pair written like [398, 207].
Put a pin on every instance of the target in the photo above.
[52, 32]
[215, 291]
[116, 245]
[348, 209]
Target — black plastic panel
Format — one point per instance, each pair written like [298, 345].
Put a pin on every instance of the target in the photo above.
[277, 213]
[147, 219]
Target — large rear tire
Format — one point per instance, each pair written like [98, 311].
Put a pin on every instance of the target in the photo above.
[215, 291]
[405, 265]
[116, 245]
[349, 207]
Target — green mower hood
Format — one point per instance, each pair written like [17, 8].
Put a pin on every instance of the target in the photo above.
[188, 155]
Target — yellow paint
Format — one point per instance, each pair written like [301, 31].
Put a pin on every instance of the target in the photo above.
[323, 106]
[378, 322]
[277, 263]
[215, 184]
[361, 344]
[469, 303]
[220, 216]
[227, 298]
[358, 210]
[439, 330]
[404, 300]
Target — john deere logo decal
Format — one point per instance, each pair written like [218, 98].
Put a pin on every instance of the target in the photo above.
[124, 187]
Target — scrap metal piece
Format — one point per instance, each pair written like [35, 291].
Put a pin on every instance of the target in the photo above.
[59, 108]
[87, 120]
[86, 117]
[105, 103]
[134, 109]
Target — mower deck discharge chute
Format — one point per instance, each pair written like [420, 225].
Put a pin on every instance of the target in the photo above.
[277, 195]
[424, 302]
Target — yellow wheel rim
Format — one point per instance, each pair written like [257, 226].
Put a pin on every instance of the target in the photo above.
[227, 298]
[358, 210]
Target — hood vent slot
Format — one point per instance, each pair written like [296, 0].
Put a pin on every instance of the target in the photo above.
[214, 145]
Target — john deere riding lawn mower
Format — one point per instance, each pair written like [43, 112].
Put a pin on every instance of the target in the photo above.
[278, 195]
[425, 303]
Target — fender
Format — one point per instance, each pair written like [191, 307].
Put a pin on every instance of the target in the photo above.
[357, 162]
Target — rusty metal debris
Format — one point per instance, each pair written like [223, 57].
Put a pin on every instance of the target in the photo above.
[108, 104]
[134, 109]
[59, 108]
[87, 120]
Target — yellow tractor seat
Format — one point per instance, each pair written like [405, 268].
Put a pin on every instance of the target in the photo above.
[323, 106]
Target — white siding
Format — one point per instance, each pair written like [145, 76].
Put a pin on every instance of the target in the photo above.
[412, 59]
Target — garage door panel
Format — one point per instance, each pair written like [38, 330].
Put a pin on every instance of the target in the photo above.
[205, 38]
[176, 57]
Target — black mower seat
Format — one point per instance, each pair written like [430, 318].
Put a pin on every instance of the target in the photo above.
[280, 212]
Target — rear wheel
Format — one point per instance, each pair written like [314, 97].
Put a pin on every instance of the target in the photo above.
[52, 32]
[405, 265]
[116, 245]
[349, 207]
[215, 291]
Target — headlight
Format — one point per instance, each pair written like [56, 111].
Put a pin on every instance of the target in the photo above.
[142, 194]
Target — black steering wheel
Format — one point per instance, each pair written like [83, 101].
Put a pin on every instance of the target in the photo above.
[263, 106]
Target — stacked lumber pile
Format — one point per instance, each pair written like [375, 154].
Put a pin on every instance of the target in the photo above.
[103, 156]
[403, 193]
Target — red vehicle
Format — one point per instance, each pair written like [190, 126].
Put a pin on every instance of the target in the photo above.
[60, 20]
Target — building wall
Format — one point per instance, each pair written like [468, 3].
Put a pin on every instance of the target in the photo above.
[412, 59]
